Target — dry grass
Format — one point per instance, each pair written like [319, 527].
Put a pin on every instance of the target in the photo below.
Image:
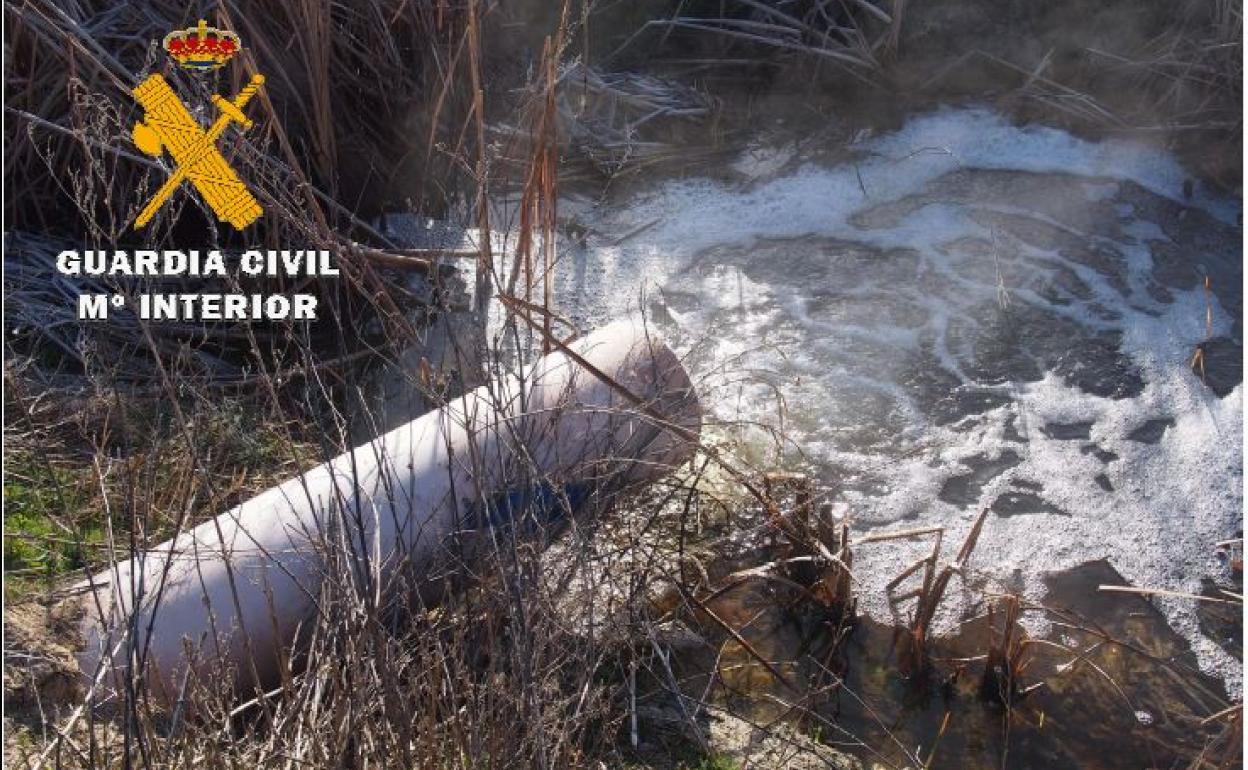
[912, 643]
[329, 151]
[323, 114]
[506, 672]
[855, 37]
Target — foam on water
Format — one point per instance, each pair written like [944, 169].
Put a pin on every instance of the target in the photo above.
[973, 314]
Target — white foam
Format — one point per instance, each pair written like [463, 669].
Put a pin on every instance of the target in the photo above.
[837, 360]
[699, 213]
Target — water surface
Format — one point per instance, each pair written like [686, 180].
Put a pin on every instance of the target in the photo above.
[967, 314]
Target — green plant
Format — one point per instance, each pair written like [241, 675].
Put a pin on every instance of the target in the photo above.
[713, 762]
[48, 530]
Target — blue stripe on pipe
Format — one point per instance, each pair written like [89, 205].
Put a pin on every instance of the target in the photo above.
[537, 504]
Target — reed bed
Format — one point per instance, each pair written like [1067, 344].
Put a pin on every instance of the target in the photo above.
[330, 151]
[337, 132]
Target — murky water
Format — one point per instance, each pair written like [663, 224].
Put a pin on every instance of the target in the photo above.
[1101, 704]
[1110, 686]
[966, 315]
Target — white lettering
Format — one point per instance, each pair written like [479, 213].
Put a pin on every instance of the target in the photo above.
[69, 262]
[252, 262]
[93, 307]
[146, 262]
[305, 307]
[215, 264]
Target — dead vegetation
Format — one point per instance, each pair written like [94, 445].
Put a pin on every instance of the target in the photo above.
[329, 152]
[1169, 73]
[772, 649]
[855, 37]
[325, 124]
[913, 643]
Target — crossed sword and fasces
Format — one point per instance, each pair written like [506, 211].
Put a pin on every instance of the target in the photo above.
[169, 126]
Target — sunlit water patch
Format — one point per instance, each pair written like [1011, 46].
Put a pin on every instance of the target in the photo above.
[970, 315]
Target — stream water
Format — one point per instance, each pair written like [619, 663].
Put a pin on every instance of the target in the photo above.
[1083, 702]
[965, 314]
[959, 315]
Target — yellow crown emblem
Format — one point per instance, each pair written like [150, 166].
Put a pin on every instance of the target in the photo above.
[201, 47]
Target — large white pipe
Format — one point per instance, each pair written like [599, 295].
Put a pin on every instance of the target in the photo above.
[235, 589]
